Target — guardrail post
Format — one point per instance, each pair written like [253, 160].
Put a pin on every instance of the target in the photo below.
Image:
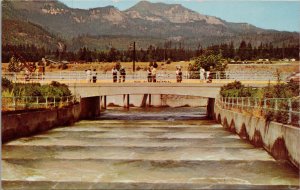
[276, 104]
[54, 101]
[37, 101]
[14, 102]
[265, 105]
[46, 102]
[290, 110]
[242, 102]
[15, 77]
[249, 103]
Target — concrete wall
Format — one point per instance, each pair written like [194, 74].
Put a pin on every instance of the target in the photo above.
[16, 125]
[90, 107]
[158, 100]
[281, 141]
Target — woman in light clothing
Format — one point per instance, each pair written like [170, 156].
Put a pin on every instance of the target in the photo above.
[202, 72]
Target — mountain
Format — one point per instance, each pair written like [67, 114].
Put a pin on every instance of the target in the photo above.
[18, 32]
[157, 21]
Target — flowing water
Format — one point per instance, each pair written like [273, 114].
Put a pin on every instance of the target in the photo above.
[166, 148]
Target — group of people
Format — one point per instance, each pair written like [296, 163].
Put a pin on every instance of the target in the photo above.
[151, 74]
[121, 73]
[91, 76]
[205, 75]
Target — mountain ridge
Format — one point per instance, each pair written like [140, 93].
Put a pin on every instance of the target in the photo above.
[145, 19]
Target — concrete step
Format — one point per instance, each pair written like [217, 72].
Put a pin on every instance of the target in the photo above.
[145, 123]
[132, 142]
[138, 134]
[133, 153]
[66, 185]
[161, 173]
[134, 128]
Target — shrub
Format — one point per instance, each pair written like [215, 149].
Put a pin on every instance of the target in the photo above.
[14, 65]
[63, 66]
[168, 61]
[138, 68]
[237, 89]
[6, 84]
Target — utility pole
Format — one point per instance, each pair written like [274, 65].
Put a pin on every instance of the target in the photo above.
[133, 60]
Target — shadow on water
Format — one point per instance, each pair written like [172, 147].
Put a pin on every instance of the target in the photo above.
[154, 113]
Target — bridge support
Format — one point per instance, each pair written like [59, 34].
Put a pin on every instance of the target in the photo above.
[210, 108]
[126, 100]
[103, 102]
[90, 107]
[149, 100]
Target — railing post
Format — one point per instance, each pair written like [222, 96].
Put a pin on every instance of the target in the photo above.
[249, 103]
[242, 102]
[265, 105]
[276, 104]
[290, 110]
[15, 77]
[46, 102]
[54, 101]
[14, 102]
[37, 101]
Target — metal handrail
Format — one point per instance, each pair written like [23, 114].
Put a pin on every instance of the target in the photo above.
[33, 102]
[264, 105]
[161, 75]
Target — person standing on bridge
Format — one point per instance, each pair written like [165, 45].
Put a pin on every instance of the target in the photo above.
[94, 76]
[123, 74]
[149, 74]
[153, 74]
[89, 76]
[115, 74]
[179, 74]
[202, 72]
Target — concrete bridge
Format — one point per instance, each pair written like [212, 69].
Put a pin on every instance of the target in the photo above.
[94, 96]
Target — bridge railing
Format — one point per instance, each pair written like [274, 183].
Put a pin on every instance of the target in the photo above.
[282, 110]
[142, 75]
[13, 103]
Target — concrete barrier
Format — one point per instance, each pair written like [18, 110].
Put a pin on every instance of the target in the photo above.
[281, 141]
[22, 124]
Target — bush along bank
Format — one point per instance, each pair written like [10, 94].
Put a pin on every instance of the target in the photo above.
[22, 96]
[279, 102]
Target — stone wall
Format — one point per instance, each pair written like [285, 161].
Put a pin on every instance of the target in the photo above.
[281, 141]
[21, 124]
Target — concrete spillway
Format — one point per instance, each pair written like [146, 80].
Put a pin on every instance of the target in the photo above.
[145, 154]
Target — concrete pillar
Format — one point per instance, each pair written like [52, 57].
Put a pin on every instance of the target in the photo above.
[210, 108]
[150, 100]
[90, 107]
[126, 100]
[103, 102]
[144, 100]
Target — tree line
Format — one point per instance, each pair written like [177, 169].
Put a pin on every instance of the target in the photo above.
[245, 51]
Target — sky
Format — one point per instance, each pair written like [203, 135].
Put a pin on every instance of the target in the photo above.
[267, 14]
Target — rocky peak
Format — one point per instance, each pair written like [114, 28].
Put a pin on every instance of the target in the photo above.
[174, 13]
[108, 13]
